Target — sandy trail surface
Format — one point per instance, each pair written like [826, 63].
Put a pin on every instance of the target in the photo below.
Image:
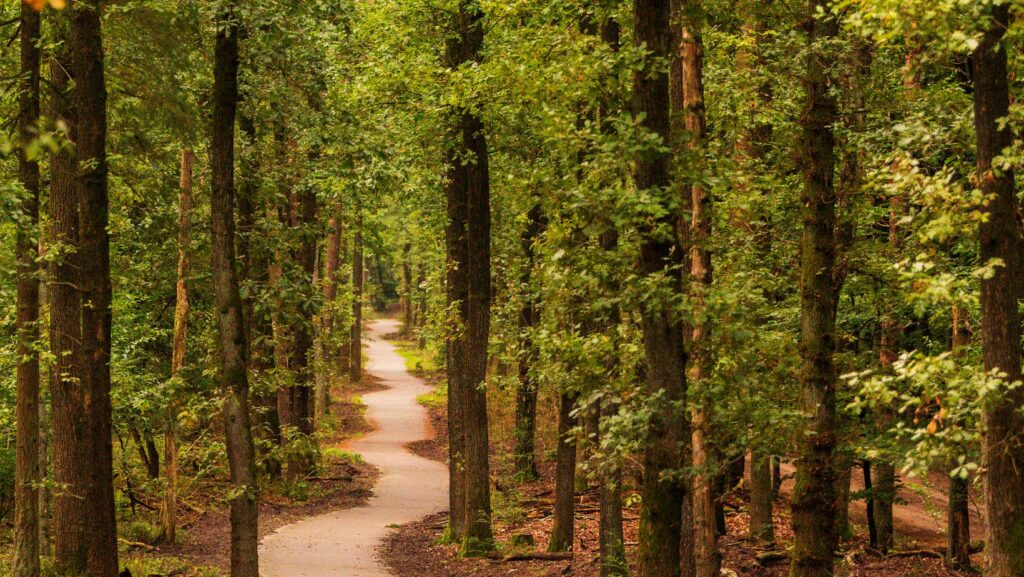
[344, 543]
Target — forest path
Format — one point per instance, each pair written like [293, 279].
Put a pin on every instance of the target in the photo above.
[344, 543]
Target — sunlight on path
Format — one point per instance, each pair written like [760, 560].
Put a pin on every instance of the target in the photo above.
[344, 543]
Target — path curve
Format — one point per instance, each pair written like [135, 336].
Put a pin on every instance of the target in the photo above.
[344, 543]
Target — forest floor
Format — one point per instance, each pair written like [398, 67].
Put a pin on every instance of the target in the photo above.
[525, 512]
[204, 543]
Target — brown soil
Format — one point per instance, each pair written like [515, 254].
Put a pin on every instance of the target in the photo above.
[206, 539]
[414, 549]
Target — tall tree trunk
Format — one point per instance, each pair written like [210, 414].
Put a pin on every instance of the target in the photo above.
[178, 348]
[565, 477]
[358, 275]
[331, 281]
[1002, 421]
[232, 349]
[705, 482]
[469, 238]
[91, 102]
[611, 541]
[302, 462]
[529, 317]
[665, 357]
[958, 519]
[70, 449]
[883, 494]
[27, 471]
[814, 496]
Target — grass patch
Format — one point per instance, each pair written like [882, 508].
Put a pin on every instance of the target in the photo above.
[342, 456]
[435, 399]
[417, 361]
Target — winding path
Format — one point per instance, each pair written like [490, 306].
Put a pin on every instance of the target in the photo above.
[344, 543]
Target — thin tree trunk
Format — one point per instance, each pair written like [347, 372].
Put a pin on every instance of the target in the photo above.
[178, 349]
[526, 393]
[843, 476]
[358, 275]
[331, 265]
[868, 487]
[668, 434]
[27, 470]
[705, 482]
[70, 448]
[91, 102]
[1002, 421]
[958, 519]
[409, 324]
[232, 349]
[814, 496]
[762, 527]
[565, 477]
[302, 463]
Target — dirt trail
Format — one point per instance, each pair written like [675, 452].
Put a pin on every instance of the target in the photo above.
[919, 521]
[344, 543]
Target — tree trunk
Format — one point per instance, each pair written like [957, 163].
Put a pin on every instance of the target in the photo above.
[468, 194]
[529, 317]
[91, 102]
[358, 275]
[70, 447]
[178, 349]
[958, 519]
[762, 527]
[705, 483]
[565, 477]
[232, 349]
[409, 322]
[665, 357]
[870, 502]
[843, 476]
[814, 496]
[27, 471]
[331, 265]
[302, 462]
[1002, 422]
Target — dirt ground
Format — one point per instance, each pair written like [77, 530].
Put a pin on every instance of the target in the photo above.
[415, 549]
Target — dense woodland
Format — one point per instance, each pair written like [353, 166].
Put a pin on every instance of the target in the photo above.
[684, 246]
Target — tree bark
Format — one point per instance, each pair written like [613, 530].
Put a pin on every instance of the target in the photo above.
[529, 317]
[814, 496]
[91, 103]
[999, 237]
[331, 281]
[665, 357]
[70, 448]
[762, 526]
[302, 462]
[232, 348]
[565, 477]
[958, 519]
[408, 311]
[705, 483]
[27, 470]
[469, 238]
[178, 348]
[358, 274]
